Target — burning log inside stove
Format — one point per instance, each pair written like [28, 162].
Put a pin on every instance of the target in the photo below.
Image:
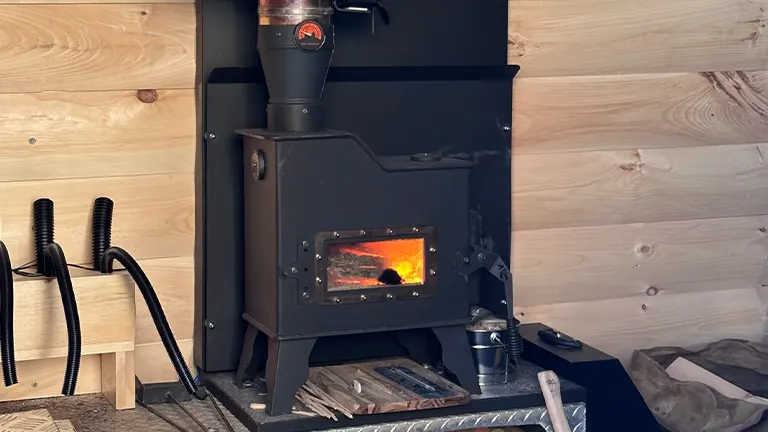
[373, 264]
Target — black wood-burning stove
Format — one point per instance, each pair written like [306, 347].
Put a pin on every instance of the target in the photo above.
[340, 240]
[349, 229]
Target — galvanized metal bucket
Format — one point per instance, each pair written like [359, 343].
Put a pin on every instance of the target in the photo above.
[491, 360]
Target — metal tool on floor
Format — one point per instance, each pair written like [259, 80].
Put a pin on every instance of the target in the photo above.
[411, 381]
[189, 414]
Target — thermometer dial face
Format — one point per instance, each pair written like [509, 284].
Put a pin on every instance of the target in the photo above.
[309, 35]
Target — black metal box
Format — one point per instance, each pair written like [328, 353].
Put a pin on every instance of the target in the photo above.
[316, 201]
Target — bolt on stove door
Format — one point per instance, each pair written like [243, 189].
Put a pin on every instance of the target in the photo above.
[375, 265]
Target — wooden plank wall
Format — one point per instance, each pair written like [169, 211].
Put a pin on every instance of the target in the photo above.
[640, 183]
[97, 99]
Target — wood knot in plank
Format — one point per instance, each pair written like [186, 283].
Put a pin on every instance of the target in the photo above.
[636, 165]
[741, 90]
[517, 45]
[147, 96]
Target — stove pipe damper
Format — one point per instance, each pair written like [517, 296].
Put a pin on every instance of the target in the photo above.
[296, 43]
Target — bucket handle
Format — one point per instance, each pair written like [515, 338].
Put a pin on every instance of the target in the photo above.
[496, 339]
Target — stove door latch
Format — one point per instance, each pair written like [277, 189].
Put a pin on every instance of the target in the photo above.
[482, 259]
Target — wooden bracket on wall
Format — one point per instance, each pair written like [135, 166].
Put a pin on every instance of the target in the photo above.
[107, 322]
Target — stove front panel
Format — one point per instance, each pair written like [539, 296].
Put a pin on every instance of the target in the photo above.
[365, 244]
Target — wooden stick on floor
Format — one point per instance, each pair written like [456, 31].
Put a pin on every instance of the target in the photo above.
[550, 387]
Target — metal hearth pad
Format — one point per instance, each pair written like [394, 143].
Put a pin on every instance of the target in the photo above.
[575, 413]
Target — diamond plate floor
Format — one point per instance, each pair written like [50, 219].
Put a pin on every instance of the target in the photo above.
[92, 413]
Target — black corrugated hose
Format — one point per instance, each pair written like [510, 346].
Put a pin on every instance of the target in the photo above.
[74, 343]
[101, 229]
[7, 352]
[103, 259]
[156, 311]
[51, 262]
[43, 221]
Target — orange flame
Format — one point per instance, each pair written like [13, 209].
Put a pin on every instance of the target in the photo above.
[405, 256]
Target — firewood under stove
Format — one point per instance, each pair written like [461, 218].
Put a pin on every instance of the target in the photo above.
[359, 389]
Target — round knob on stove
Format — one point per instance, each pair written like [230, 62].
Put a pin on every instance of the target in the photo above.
[258, 165]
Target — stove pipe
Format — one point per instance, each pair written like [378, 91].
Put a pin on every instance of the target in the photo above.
[295, 46]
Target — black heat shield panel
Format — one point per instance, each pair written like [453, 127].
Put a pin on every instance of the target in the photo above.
[466, 119]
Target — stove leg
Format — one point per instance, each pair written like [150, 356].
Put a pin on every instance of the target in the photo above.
[246, 355]
[457, 356]
[287, 371]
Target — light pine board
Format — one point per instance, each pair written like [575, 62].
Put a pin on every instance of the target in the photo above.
[99, 100]
[105, 304]
[153, 365]
[96, 47]
[619, 326]
[153, 215]
[118, 379]
[173, 280]
[44, 378]
[647, 185]
[57, 135]
[604, 37]
[570, 114]
[570, 265]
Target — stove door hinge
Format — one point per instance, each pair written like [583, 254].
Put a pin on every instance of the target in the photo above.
[294, 272]
[291, 271]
